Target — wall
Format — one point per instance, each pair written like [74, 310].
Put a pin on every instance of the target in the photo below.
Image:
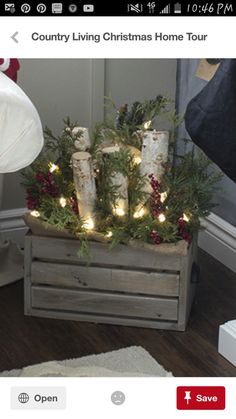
[131, 80]
[76, 88]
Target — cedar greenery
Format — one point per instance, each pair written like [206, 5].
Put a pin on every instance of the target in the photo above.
[189, 180]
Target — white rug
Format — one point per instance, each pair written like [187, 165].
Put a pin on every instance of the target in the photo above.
[133, 361]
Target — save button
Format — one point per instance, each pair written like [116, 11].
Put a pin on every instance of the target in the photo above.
[201, 398]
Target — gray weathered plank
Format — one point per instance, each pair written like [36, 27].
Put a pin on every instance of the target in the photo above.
[108, 279]
[186, 288]
[96, 293]
[104, 303]
[99, 318]
[66, 250]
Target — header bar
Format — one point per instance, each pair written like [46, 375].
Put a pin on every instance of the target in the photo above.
[118, 38]
[120, 8]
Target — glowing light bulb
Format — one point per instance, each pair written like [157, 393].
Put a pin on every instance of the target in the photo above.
[163, 196]
[109, 234]
[147, 124]
[137, 160]
[53, 167]
[139, 213]
[62, 201]
[186, 218]
[89, 224]
[162, 218]
[35, 214]
[119, 212]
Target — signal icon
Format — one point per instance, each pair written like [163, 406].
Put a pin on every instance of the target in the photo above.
[166, 10]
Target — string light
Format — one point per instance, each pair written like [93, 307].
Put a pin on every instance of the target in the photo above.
[163, 196]
[63, 202]
[162, 218]
[109, 234]
[137, 160]
[35, 214]
[147, 124]
[119, 212]
[53, 167]
[88, 224]
[135, 153]
[186, 218]
[139, 213]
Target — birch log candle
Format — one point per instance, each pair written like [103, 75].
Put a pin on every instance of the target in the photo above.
[154, 154]
[84, 186]
[83, 142]
[121, 183]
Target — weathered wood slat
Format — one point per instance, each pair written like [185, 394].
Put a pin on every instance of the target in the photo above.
[128, 285]
[104, 303]
[66, 250]
[108, 279]
[186, 288]
[99, 318]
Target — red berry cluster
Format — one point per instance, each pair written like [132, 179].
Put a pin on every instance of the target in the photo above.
[183, 231]
[155, 197]
[32, 201]
[48, 185]
[155, 237]
[74, 204]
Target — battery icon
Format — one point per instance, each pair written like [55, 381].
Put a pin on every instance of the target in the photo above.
[177, 8]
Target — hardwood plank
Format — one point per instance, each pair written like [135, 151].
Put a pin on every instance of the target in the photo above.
[27, 273]
[29, 340]
[82, 277]
[104, 303]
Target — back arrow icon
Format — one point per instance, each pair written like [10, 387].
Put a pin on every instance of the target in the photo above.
[13, 37]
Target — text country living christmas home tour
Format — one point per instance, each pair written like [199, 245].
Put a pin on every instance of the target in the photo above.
[121, 37]
[125, 184]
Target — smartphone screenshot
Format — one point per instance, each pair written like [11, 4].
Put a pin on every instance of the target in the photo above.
[117, 209]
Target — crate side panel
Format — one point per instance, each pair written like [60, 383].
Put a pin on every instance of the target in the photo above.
[104, 303]
[108, 279]
[66, 250]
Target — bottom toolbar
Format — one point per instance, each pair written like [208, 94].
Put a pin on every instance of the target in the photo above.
[112, 397]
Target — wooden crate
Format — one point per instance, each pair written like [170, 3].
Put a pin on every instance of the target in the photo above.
[127, 286]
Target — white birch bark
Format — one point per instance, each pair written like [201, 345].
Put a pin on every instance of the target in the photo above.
[154, 154]
[84, 186]
[83, 142]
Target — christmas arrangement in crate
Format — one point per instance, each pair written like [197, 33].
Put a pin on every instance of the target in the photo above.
[125, 185]
[114, 221]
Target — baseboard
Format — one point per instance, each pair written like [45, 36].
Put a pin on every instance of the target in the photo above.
[218, 237]
[12, 225]
[219, 240]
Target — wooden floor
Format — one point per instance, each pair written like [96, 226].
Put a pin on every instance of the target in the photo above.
[27, 340]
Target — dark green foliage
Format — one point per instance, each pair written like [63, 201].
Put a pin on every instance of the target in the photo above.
[140, 113]
[189, 181]
[62, 218]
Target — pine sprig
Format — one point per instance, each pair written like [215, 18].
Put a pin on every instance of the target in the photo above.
[189, 182]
